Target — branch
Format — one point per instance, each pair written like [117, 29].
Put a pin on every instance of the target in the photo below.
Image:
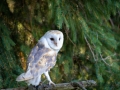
[103, 59]
[108, 57]
[90, 48]
[66, 31]
[62, 86]
[66, 86]
[112, 22]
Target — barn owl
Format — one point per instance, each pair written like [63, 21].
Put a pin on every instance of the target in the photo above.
[42, 58]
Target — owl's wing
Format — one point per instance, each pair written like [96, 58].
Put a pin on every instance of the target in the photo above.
[40, 60]
[38, 47]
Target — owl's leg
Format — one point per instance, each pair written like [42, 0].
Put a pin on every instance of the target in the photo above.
[48, 78]
[37, 82]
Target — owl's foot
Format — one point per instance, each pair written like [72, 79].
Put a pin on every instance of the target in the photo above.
[36, 87]
[51, 83]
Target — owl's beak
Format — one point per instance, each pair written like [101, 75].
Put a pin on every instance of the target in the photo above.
[55, 43]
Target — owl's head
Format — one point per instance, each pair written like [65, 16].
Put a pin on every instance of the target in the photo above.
[54, 39]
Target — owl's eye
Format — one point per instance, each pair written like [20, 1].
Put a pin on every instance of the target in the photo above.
[52, 39]
[59, 38]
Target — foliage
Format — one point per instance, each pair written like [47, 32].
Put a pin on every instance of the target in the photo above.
[9, 68]
[91, 47]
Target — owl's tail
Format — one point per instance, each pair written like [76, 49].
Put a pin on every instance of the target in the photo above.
[24, 76]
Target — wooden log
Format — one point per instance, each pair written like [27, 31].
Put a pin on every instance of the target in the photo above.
[67, 86]
[20, 88]
[62, 86]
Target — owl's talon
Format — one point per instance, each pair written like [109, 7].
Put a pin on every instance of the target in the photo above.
[40, 83]
[52, 83]
[36, 87]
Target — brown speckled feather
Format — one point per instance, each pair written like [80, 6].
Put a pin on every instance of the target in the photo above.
[40, 60]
